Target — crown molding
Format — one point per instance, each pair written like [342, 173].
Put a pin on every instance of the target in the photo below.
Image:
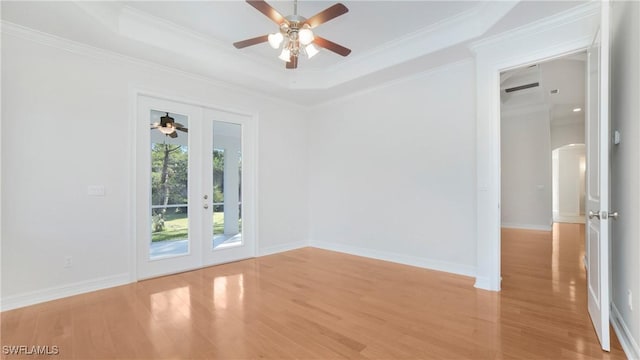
[370, 89]
[216, 56]
[54, 41]
[473, 22]
[135, 24]
[444, 34]
[220, 57]
[575, 14]
[211, 60]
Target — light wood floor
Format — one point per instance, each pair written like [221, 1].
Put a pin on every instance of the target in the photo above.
[312, 303]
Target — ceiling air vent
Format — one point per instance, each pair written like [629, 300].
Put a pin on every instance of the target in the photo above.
[522, 87]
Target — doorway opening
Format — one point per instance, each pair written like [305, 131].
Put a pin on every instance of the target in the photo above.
[584, 32]
[543, 134]
[543, 169]
[542, 119]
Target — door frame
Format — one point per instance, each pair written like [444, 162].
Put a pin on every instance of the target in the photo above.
[560, 35]
[134, 94]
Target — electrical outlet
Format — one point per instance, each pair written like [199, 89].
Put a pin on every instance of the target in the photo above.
[68, 261]
[630, 299]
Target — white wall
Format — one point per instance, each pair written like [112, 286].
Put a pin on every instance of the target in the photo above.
[569, 183]
[569, 131]
[65, 125]
[625, 163]
[393, 171]
[526, 170]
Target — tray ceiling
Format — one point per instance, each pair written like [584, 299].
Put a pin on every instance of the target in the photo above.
[389, 39]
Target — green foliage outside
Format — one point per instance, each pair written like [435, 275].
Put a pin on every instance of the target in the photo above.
[174, 160]
[175, 185]
[176, 227]
[157, 222]
[218, 178]
[169, 186]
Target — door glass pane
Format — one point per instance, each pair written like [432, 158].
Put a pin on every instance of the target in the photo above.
[169, 185]
[227, 184]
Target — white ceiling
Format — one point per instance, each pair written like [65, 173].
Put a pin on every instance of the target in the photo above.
[567, 75]
[389, 39]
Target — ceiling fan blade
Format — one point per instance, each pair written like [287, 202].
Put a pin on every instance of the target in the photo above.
[182, 128]
[327, 14]
[252, 41]
[330, 45]
[173, 135]
[266, 9]
[293, 63]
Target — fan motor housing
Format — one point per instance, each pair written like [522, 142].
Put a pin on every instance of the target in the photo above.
[295, 19]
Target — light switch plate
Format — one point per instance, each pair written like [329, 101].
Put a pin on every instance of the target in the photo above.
[95, 190]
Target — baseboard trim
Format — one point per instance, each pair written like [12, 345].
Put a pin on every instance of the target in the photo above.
[59, 292]
[629, 345]
[269, 250]
[572, 219]
[483, 283]
[526, 226]
[425, 263]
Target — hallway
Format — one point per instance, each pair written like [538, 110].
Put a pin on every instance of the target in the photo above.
[544, 281]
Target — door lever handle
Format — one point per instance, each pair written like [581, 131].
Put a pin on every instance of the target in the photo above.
[594, 214]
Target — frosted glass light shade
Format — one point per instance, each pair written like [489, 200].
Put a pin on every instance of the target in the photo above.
[275, 40]
[305, 36]
[311, 50]
[285, 55]
[169, 129]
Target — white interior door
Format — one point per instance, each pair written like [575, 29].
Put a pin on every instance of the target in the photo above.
[597, 247]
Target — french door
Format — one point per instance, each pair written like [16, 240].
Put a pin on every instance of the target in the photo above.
[194, 187]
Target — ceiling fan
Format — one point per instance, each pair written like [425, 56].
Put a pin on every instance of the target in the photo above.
[295, 33]
[168, 126]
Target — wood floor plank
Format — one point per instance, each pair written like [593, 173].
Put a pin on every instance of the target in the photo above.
[316, 304]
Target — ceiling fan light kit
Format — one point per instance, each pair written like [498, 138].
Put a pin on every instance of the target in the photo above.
[295, 33]
[275, 40]
[167, 129]
[168, 126]
[305, 35]
[311, 50]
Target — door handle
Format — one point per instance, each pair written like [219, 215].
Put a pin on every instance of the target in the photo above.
[605, 215]
[206, 206]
